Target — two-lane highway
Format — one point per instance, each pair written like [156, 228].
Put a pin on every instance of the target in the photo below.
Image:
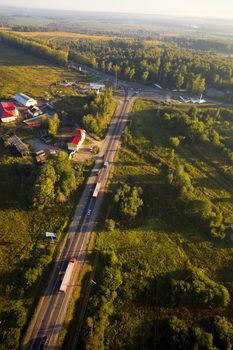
[49, 319]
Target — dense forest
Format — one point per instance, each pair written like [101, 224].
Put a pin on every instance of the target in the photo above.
[171, 66]
[213, 45]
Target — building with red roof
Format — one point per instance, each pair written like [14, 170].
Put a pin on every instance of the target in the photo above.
[8, 112]
[77, 140]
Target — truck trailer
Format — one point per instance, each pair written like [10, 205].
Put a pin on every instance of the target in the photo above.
[97, 189]
[67, 275]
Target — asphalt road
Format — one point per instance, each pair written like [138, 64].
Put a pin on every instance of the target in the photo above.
[49, 319]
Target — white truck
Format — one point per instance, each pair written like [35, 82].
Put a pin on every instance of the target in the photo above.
[67, 275]
[97, 189]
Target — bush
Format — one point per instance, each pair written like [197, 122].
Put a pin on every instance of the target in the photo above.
[110, 225]
[179, 336]
[128, 200]
[223, 332]
[96, 149]
[56, 181]
[190, 286]
[174, 141]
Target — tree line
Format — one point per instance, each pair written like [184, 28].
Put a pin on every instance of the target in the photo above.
[212, 45]
[34, 47]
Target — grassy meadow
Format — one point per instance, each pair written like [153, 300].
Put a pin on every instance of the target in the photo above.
[162, 240]
[22, 72]
[66, 35]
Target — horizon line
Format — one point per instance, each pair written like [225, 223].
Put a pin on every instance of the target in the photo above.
[120, 13]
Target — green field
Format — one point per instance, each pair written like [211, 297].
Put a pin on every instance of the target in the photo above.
[22, 72]
[125, 312]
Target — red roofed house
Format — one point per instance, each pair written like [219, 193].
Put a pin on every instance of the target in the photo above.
[8, 112]
[77, 140]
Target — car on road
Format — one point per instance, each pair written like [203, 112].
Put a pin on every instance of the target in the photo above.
[89, 212]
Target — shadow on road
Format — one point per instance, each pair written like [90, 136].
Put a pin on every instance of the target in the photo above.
[73, 329]
[37, 343]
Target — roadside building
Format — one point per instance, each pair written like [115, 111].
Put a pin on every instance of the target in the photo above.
[41, 156]
[82, 91]
[34, 111]
[8, 112]
[14, 141]
[77, 140]
[25, 100]
[95, 87]
[35, 121]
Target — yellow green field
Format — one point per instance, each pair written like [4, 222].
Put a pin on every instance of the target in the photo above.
[22, 72]
[66, 35]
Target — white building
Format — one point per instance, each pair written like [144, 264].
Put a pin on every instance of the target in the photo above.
[95, 87]
[25, 100]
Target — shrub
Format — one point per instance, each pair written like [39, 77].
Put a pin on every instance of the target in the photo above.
[174, 141]
[110, 225]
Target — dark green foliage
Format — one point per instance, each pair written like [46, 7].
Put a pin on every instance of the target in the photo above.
[189, 287]
[102, 308]
[56, 181]
[110, 224]
[222, 330]
[82, 58]
[183, 336]
[53, 125]
[201, 339]
[44, 193]
[196, 83]
[99, 113]
[175, 141]
[172, 66]
[12, 318]
[180, 180]
[127, 137]
[91, 111]
[200, 210]
[178, 334]
[128, 200]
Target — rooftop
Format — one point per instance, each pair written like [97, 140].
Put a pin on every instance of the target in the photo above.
[17, 143]
[7, 109]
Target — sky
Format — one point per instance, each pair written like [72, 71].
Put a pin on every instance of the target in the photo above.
[200, 8]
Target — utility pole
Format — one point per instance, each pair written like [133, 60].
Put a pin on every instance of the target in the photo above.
[116, 79]
[116, 69]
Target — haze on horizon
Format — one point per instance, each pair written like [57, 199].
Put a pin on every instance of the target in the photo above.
[199, 8]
